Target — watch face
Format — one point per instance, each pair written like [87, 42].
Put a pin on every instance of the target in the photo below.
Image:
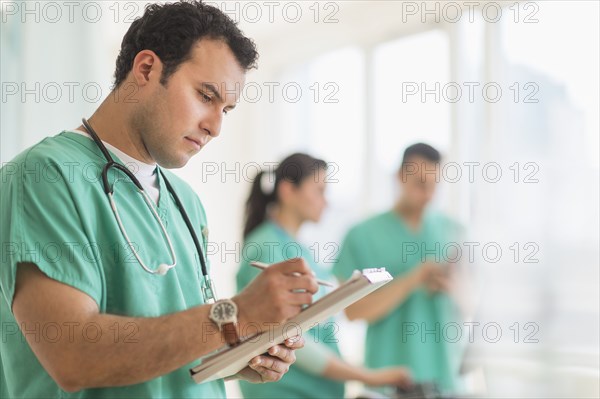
[224, 311]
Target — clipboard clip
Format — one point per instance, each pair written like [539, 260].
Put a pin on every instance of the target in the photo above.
[376, 274]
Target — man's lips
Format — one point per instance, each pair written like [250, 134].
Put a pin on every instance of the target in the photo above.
[197, 143]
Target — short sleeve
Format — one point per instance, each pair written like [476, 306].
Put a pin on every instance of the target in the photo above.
[44, 228]
[350, 258]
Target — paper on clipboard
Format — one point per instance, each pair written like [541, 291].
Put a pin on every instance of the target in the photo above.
[229, 361]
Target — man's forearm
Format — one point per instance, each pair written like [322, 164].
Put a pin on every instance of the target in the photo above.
[133, 350]
[381, 302]
[108, 350]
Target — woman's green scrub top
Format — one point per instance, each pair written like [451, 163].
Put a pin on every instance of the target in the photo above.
[55, 214]
[269, 243]
[421, 333]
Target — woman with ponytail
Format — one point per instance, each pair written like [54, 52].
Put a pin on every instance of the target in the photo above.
[279, 203]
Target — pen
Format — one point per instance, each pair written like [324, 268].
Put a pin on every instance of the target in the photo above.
[263, 266]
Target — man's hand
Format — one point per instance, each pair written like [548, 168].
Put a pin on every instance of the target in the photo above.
[271, 368]
[439, 278]
[276, 295]
[432, 276]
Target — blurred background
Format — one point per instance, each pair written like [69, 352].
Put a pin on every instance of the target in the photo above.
[507, 91]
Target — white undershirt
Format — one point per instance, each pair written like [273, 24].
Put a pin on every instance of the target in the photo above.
[145, 173]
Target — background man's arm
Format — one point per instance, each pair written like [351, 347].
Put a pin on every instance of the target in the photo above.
[381, 302]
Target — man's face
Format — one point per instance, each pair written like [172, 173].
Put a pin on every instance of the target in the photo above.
[176, 120]
[418, 179]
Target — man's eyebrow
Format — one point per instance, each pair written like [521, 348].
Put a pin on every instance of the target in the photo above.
[213, 89]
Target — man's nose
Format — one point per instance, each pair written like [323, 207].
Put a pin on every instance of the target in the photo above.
[211, 123]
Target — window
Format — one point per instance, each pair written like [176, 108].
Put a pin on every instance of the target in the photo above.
[408, 76]
[546, 129]
[328, 123]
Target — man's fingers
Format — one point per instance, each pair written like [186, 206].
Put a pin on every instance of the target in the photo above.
[274, 363]
[296, 342]
[283, 353]
[295, 265]
[269, 368]
[306, 283]
[300, 298]
[297, 275]
[267, 375]
[273, 367]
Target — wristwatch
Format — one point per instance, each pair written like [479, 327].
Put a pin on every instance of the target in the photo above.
[224, 314]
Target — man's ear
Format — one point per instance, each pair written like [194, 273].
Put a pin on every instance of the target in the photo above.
[146, 66]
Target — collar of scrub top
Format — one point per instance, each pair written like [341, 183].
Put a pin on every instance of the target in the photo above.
[207, 286]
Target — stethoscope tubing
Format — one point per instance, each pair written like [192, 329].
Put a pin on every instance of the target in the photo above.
[109, 191]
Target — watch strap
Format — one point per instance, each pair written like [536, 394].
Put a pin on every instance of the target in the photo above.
[230, 333]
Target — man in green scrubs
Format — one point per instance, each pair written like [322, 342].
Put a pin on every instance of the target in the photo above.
[413, 320]
[81, 318]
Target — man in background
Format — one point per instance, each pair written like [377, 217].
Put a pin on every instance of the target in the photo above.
[407, 317]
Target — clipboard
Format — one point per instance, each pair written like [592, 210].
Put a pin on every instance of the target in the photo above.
[229, 361]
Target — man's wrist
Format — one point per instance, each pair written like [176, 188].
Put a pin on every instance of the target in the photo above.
[417, 276]
[242, 320]
[224, 314]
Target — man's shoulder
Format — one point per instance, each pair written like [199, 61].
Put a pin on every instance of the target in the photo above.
[46, 160]
[48, 149]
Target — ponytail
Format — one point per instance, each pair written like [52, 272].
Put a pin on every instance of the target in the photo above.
[257, 204]
[294, 169]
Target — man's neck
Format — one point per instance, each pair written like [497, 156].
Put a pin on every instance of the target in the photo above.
[111, 124]
[411, 214]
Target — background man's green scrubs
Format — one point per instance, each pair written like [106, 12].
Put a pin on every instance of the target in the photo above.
[418, 333]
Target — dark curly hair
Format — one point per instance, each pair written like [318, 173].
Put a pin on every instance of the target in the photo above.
[172, 29]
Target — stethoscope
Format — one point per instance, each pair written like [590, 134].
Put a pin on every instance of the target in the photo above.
[208, 290]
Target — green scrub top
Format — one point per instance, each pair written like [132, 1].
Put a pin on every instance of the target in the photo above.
[420, 333]
[55, 214]
[269, 243]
